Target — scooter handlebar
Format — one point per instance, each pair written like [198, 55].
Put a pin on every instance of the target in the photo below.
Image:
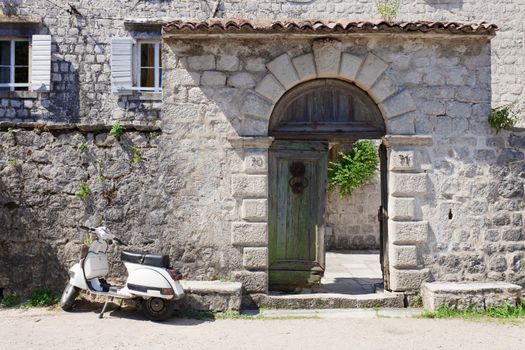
[87, 228]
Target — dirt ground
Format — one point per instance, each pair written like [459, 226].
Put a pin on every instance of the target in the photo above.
[44, 329]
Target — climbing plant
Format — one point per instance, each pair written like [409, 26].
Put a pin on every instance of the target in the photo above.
[354, 169]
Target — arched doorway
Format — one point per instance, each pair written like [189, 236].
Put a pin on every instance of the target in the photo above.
[305, 121]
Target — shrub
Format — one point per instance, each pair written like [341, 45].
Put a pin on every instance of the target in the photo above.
[82, 146]
[117, 130]
[353, 169]
[388, 9]
[503, 117]
[84, 191]
[10, 300]
[137, 155]
[42, 296]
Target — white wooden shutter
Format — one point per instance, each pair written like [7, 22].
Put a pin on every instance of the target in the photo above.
[41, 63]
[121, 65]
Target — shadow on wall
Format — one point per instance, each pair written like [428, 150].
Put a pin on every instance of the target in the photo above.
[28, 257]
[445, 4]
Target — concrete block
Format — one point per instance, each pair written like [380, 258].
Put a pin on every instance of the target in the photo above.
[398, 104]
[407, 232]
[212, 78]
[254, 209]
[255, 258]
[402, 208]
[382, 89]
[327, 54]
[372, 68]
[249, 234]
[252, 281]
[403, 255]
[463, 295]
[350, 65]
[408, 184]
[249, 186]
[407, 280]
[270, 88]
[403, 161]
[305, 67]
[284, 71]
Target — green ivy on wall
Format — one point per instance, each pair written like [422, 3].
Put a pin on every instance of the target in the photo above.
[353, 169]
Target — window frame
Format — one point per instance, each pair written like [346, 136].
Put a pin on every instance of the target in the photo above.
[12, 66]
[156, 66]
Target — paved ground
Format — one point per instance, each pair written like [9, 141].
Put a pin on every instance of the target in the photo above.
[347, 329]
[351, 272]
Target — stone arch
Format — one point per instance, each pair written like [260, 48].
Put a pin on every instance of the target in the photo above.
[327, 60]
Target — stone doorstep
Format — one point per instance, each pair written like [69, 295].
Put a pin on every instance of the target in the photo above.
[463, 295]
[212, 295]
[324, 301]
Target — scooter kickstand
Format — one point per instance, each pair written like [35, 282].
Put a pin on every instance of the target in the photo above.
[108, 300]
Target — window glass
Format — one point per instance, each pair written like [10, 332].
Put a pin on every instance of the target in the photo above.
[5, 74]
[147, 55]
[147, 77]
[5, 53]
[21, 53]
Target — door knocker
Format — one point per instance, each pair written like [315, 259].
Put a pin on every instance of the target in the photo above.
[298, 182]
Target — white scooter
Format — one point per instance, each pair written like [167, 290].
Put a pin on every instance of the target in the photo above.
[150, 278]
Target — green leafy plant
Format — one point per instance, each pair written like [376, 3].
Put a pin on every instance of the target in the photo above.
[354, 169]
[117, 130]
[10, 132]
[137, 155]
[504, 311]
[84, 191]
[82, 146]
[13, 163]
[503, 117]
[42, 296]
[388, 9]
[152, 135]
[10, 300]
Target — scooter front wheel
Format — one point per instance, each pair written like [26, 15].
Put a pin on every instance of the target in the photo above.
[68, 297]
[157, 309]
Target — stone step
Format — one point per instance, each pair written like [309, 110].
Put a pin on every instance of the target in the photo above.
[462, 295]
[212, 295]
[329, 301]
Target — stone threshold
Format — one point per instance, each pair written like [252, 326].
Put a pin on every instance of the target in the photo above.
[212, 295]
[329, 301]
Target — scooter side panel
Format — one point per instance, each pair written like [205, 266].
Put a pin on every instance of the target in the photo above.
[154, 278]
[77, 277]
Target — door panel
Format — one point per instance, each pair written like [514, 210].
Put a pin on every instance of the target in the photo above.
[297, 190]
[383, 216]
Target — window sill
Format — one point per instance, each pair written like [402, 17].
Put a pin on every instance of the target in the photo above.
[20, 94]
[145, 96]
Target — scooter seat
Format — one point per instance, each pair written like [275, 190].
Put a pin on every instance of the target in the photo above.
[146, 259]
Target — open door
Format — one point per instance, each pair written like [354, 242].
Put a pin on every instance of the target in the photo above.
[383, 215]
[297, 191]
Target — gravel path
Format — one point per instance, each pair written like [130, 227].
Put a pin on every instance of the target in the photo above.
[42, 329]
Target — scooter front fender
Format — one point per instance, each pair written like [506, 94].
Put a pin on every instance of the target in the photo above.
[76, 277]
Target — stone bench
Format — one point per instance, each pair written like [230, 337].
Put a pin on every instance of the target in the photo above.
[462, 295]
[212, 295]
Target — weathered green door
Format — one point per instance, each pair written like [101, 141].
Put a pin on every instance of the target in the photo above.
[297, 190]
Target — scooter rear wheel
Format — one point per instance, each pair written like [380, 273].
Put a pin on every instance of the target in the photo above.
[68, 297]
[157, 309]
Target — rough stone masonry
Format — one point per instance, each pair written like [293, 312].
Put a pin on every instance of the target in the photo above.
[456, 210]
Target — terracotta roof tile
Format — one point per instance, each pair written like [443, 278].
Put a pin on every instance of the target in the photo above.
[244, 26]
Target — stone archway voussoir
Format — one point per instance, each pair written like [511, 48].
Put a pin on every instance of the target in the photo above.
[305, 67]
[350, 66]
[383, 88]
[270, 88]
[373, 67]
[397, 105]
[327, 54]
[284, 71]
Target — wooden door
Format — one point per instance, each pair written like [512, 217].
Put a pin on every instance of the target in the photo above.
[297, 191]
[383, 216]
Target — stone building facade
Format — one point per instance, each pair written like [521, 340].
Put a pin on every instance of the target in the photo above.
[199, 189]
